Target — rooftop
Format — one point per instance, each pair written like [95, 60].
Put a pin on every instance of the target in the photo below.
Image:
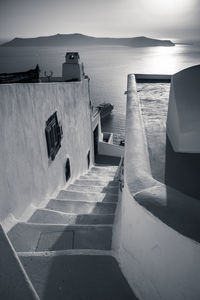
[162, 181]
[178, 170]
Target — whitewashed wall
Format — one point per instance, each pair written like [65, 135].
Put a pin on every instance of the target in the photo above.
[183, 122]
[26, 175]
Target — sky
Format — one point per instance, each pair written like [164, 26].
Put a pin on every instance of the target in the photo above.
[173, 19]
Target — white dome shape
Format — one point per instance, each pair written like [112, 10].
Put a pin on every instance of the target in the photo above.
[183, 120]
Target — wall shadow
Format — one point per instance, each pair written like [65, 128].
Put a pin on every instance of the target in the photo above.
[179, 211]
[182, 171]
[177, 202]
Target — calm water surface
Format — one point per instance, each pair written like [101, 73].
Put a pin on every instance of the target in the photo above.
[107, 68]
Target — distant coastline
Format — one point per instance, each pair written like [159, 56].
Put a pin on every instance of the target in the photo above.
[77, 39]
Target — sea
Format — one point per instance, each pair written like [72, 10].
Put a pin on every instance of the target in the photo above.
[107, 67]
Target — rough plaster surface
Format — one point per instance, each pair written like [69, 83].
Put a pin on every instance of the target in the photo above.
[174, 202]
[154, 104]
[158, 262]
[177, 170]
[28, 177]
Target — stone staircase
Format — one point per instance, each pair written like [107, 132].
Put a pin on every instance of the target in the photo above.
[65, 247]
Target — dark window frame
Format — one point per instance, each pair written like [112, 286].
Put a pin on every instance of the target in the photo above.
[53, 132]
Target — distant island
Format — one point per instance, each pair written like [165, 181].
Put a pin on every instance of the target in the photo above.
[77, 39]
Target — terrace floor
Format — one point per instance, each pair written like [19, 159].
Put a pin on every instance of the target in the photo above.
[178, 170]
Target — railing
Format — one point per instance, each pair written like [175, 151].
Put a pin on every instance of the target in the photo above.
[120, 170]
[121, 175]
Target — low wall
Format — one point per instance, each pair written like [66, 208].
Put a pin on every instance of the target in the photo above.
[153, 77]
[108, 137]
[110, 149]
[158, 261]
[27, 175]
[183, 124]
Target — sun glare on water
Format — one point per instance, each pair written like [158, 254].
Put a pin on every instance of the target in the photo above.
[164, 60]
[170, 6]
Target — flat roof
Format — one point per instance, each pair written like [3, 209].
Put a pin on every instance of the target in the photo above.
[178, 170]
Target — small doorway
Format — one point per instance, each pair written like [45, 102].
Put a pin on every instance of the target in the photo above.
[96, 140]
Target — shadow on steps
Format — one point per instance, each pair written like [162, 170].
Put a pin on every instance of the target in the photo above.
[86, 222]
[77, 277]
[73, 277]
[107, 160]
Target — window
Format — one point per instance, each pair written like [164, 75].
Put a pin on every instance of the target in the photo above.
[53, 133]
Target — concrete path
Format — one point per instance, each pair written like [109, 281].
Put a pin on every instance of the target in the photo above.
[79, 219]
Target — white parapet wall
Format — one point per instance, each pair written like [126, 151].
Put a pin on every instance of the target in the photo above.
[156, 77]
[27, 175]
[183, 122]
[158, 262]
[110, 149]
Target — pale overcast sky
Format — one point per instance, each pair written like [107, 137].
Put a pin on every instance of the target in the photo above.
[115, 18]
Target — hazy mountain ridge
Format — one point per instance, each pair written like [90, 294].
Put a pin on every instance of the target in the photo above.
[77, 39]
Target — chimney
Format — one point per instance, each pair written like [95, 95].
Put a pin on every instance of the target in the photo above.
[72, 69]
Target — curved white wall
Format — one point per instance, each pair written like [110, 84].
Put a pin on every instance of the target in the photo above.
[183, 122]
[158, 262]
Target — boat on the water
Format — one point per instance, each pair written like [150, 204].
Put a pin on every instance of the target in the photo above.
[105, 109]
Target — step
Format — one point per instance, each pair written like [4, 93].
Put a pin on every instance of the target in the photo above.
[107, 160]
[100, 182]
[90, 197]
[111, 169]
[90, 176]
[81, 207]
[106, 166]
[76, 277]
[26, 237]
[93, 189]
[14, 282]
[102, 173]
[48, 216]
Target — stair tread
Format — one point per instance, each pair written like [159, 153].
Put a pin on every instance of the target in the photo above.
[93, 189]
[80, 220]
[48, 216]
[82, 202]
[96, 182]
[81, 207]
[42, 237]
[83, 196]
[64, 277]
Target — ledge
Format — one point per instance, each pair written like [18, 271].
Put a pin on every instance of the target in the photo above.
[153, 77]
